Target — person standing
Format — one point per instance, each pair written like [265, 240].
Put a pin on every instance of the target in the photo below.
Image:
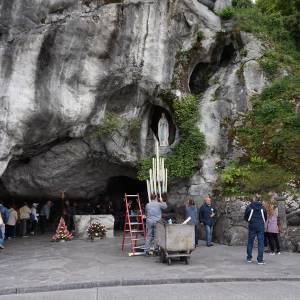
[25, 212]
[34, 218]
[4, 215]
[191, 211]
[12, 223]
[272, 228]
[45, 216]
[207, 216]
[153, 214]
[256, 216]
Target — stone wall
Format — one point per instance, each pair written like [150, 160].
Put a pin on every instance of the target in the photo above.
[231, 229]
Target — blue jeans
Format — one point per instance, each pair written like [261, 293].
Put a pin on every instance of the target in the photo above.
[208, 233]
[260, 234]
[150, 235]
[2, 234]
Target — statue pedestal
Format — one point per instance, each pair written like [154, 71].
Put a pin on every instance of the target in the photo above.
[82, 223]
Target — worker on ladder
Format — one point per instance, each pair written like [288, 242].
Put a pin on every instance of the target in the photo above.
[153, 213]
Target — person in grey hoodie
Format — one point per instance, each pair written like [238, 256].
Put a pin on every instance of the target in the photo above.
[153, 213]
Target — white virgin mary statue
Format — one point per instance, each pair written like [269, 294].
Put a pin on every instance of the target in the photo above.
[163, 131]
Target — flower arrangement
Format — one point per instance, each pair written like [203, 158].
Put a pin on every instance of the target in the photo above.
[62, 233]
[96, 230]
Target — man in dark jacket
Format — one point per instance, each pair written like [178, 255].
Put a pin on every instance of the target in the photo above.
[256, 216]
[207, 216]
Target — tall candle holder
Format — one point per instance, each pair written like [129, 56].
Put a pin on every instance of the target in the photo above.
[158, 175]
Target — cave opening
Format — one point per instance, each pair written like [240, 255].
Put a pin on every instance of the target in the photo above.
[115, 191]
[199, 79]
[201, 74]
[155, 116]
[227, 54]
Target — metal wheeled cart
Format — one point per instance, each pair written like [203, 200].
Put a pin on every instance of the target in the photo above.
[175, 241]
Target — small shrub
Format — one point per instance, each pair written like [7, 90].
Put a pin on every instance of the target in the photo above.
[134, 127]
[200, 36]
[227, 13]
[111, 123]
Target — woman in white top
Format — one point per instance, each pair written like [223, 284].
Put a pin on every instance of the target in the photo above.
[12, 223]
[34, 218]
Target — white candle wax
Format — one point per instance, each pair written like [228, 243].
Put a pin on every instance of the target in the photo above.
[148, 190]
[166, 180]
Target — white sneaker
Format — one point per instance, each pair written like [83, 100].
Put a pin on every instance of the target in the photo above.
[1, 247]
[272, 253]
[261, 263]
[278, 253]
[249, 261]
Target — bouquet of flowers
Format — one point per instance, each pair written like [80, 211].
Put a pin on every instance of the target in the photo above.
[96, 230]
[62, 233]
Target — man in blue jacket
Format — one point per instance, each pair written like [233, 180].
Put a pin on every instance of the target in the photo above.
[3, 220]
[256, 216]
[207, 216]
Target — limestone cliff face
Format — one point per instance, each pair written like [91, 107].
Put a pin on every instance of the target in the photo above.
[65, 65]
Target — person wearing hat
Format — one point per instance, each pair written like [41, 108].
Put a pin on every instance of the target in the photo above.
[34, 219]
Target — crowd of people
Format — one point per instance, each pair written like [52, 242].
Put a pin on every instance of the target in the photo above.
[263, 223]
[33, 219]
[24, 220]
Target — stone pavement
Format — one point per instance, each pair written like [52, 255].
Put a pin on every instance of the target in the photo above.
[208, 291]
[36, 264]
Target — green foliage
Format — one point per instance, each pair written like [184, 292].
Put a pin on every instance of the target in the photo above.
[255, 176]
[281, 49]
[144, 165]
[270, 138]
[134, 127]
[272, 129]
[111, 123]
[289, 10]
[227, 13]
[242, 3]
[183, 160]
[200, 36]
[270, 64]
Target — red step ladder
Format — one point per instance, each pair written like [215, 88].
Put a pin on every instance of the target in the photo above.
[134, 228]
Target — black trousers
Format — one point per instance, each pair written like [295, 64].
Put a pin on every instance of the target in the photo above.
[43, 224]
[273, 241]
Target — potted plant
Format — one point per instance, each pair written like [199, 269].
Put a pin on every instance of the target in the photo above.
[96, 231]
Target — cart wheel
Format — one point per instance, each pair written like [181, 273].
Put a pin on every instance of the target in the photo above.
[169, 261]
[187, 260]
